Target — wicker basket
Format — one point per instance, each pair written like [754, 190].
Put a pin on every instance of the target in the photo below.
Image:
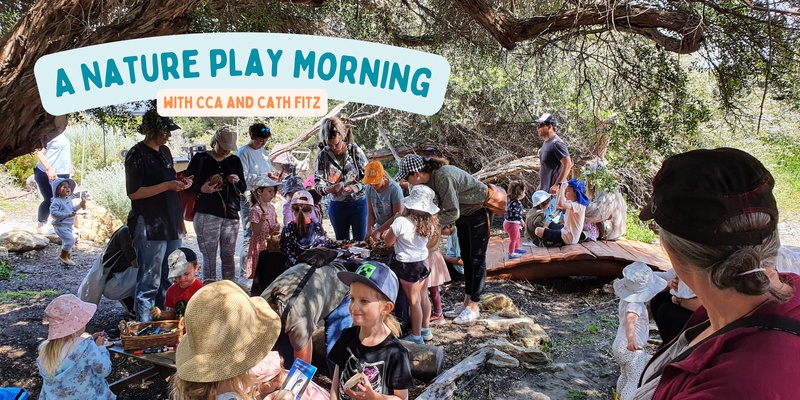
[130, 342]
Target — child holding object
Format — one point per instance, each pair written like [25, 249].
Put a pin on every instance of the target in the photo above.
[270, 373]
[409, 235]
[183, 268]
[573, 200]
[369, 358]
[63, 212]
[638, 285]
[513, 219]
[72, 365]
[264, 260]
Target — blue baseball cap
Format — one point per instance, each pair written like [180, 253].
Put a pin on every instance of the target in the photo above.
[375, 275]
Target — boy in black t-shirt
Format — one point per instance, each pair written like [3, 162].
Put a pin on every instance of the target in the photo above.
[369, 357]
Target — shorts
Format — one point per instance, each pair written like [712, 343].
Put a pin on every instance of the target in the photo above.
[411, 271]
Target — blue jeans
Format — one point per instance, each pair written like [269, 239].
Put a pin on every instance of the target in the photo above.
[152, 276]
[347, 214]
[335, 323]
[43, 182]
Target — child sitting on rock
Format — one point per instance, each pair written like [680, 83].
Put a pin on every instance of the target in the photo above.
[63, 212]
[638, 285]
[573, 200]
[73, 366]
[183, 268]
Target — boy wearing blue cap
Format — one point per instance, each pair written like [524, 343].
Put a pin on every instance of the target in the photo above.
[369, 357]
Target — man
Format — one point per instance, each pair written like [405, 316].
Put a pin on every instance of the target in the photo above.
[555, 162]
[113, 275]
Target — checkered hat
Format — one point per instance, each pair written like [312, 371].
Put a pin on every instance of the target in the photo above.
[408, 165]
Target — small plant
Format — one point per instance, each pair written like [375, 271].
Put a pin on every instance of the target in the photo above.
[5, 270]
[107, 185]
[464, 395]
[637, 230]
[25, 295]
[593, 329]
[577, 395]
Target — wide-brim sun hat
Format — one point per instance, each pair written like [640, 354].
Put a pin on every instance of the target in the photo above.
[67, 314]
[408, 165]
[292, 184]
[421, 199]
[539, 197]
[638, 284]
[227, 333]
[695, 192]
[264, 181]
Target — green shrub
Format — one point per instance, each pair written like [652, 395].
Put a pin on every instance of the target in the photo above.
[21, 168]
[5, 270]
[638, 230]
[107, 187]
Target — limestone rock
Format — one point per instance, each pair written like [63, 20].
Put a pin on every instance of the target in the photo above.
[529, 334]
[96, 224]
[503, 324]
[523, 354]
[503, 360]
[3, 253]
[53, 238]
[20, 241]
[500, 304]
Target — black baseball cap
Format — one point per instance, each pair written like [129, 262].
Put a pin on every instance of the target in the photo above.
[695, 192]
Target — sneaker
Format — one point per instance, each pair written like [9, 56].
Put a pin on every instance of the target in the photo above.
[514, 255]
[529, 244]
[427, 334]
[467, 316]
[520, 251]
[437, 319]
[411, 338]
[454, 312]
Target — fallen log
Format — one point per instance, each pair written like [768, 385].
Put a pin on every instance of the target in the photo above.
[455, 379]
[426, 360]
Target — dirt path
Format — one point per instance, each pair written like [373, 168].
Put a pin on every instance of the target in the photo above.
[579, 316]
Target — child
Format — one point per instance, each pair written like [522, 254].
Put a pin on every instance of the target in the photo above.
[572, 199]
[638, 285]
[63, 212]
[264, 223]
[303, 233]
[71, 365]
[409, 234]
[227, 334]
[270, 373]
[371, 347]
[439, 275]
[291, 185]
[183, 267]
[513, 219]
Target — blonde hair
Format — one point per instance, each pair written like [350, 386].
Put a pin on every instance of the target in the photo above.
[390, 320]
[245, 386]
[50, 353]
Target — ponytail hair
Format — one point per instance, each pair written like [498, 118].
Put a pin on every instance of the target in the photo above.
[393, 324]
[300, 213]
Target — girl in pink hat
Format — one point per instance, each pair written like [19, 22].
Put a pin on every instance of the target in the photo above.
[71, 365]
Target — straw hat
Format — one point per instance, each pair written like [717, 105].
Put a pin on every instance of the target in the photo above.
[66, 315]
[421, 199]
[227, 333]
[638, 284]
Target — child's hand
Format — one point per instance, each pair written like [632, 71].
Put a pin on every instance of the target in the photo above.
[632, 346]
[364, 392]
[155, 312]
[99, 338]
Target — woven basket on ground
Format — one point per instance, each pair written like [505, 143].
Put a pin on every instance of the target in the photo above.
[131, 342]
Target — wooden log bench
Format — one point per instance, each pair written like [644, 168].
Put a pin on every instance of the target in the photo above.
[604, 259]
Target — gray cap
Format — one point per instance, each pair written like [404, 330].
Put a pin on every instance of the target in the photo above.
[179, 260]
[548, 119]
[375, 275]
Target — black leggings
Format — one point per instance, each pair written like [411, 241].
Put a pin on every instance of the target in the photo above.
[473, 237]
[670, 318]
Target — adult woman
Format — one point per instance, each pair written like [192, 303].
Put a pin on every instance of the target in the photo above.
[340, 169]
[255, 162]
[718, 218]
[218, 182]
[461, 204]
[155, 219]
[384, 199]
[54, 162]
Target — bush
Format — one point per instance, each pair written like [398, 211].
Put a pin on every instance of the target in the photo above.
[21, 168]
[107, 186]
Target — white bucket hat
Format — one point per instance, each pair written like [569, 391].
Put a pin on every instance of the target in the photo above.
[421, 199]
[638, 284]
[539, 196]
